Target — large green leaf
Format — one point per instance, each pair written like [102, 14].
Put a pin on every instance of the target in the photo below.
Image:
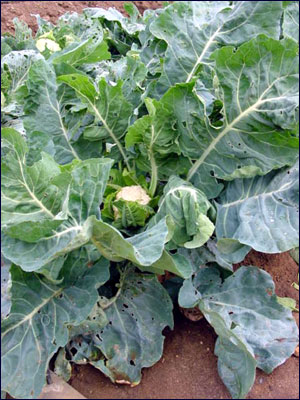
[132, 339]
[18, 64]
[290, 24]
[258, 85]
[262, 212]
[35, 329]
[210, 253]
[131, 26]
[44, 110]
[188, 207]
[156, 134]
[193, 30]
[144, 248]
[109, 107]
[86, 52]
[64, 201]
[244, 311]
[5, 287]
[236, 366]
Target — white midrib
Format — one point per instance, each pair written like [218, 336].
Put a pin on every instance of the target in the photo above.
[246, 112]
[179, 188]
[153, 182]
[281, 189]
[200, 58]
[32, 195]
[33, 312]
[109, 131]
[61, 124]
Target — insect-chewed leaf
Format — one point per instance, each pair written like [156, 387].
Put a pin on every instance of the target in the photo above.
[244, 311]
[262, 212]
[46, 210]
[36, 326]
[132, 339]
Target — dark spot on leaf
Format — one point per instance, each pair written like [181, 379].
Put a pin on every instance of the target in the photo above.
[125, 305]
[212, 173]
[132, 362]
[73, 351]
[110, 323]
[230, 312]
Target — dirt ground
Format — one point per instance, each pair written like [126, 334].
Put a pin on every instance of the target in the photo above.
[51, 10]
[188, 368]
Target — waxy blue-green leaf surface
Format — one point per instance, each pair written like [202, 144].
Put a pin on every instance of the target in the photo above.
[36, 326]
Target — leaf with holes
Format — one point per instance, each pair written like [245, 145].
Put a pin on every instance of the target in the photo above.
[37, 322]
[108, 105]
[193, 30]
[132, 339]
[46, 211]
[262, 212]
[246, 315]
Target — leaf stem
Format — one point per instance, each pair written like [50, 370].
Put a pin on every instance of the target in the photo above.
[153, 183]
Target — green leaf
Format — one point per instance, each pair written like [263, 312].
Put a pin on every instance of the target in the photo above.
[290, 25]
[86, 52]
[111, 14]
[71, 202]
[245, 304]
[131, 213]
[288, 303]
[132, 340]
[142, 249]
[18, 64]
[236, 366]
[259, 106]
[295, 254]
[194, 30]
[188, 207]
[62, 366]
[44, 99]
[35, 330]
[157, 135]
[109, 107]
[5, 287]
[261, 212]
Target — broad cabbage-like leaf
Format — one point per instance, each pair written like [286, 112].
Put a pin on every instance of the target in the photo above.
[145, 249]
[244, 311]
[188, 207]
[258, 85]
[86, 52]
[132, 339]
[193, 30]
[45, 211]
[36, 326]
[5, 287]
[290, 25]
[109, 107]
[44, 110]
[210, 254]
[262, 212]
